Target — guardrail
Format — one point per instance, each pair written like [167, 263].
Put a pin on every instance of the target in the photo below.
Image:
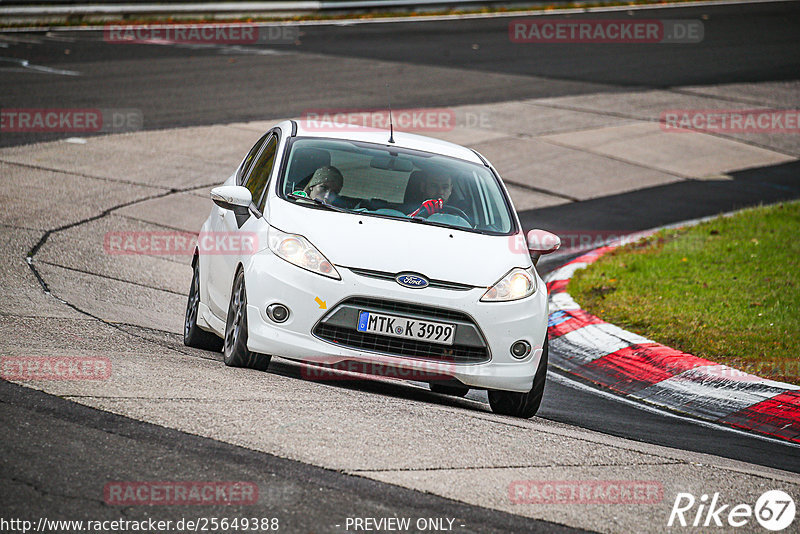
[142, 8]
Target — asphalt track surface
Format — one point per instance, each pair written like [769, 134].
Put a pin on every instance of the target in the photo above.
[175, 86]
[192, 85]
[97, 444]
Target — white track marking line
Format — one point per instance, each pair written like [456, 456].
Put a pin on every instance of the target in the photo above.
[50, 36]
[568, 382]
[39, 68]
[222, 49]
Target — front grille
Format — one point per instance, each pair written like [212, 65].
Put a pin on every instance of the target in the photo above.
[339, 327]
[400, 347]
[390, 306]
[440, 284]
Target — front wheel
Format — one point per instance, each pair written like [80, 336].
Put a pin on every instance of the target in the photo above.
[235, 351]
[523, 405]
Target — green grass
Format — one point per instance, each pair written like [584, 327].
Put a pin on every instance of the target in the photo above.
[727, 290]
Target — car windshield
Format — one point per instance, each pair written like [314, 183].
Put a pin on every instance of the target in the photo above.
[373, 179]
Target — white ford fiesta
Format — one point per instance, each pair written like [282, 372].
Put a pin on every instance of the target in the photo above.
[390, 250]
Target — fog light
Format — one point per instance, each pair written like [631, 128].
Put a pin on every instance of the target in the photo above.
[278, 312]
[520, 349]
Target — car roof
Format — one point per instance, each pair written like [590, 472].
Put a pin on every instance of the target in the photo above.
[381, 137]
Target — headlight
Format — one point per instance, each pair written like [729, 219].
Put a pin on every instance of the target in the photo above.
[298, 250]
[517, 284]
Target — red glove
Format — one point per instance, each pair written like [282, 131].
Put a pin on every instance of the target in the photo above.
[428, 208]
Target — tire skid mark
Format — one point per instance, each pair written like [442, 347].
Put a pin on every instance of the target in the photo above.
[29, 259]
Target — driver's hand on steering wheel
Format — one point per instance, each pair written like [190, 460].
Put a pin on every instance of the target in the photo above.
[428, 208]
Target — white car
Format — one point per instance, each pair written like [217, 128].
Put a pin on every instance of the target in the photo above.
[321, 248]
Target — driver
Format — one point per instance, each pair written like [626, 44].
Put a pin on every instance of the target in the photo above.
[437, 190]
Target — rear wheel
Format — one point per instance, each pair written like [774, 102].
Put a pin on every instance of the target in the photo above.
[523, 405]
[235, 349]
[193, 335]
[455, 390]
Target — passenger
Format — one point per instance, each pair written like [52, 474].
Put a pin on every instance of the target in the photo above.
[325, 184]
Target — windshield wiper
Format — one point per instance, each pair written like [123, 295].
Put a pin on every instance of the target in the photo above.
[422, 220]
[319, 202]
[419, 220]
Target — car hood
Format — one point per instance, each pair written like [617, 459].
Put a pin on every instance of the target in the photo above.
[392, 246]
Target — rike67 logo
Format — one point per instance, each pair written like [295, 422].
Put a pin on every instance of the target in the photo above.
[774, 510]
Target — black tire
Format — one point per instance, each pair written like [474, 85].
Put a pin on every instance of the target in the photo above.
[235, 352]
[449, 389]
[193, 335]
[523, 405]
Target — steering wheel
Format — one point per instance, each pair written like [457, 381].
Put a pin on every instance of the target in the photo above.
[459, 212]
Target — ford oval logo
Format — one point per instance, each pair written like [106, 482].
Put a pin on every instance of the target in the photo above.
[411, 280]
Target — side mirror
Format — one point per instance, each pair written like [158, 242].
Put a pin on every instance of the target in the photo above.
[230, 197]
[541, 242]
[235, 198]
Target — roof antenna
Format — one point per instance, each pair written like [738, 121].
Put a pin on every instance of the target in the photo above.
[391, 126]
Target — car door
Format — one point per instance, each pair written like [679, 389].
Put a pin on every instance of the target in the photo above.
[233, 243]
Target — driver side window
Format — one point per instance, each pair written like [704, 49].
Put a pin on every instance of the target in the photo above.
[251, 156]
[259, 174]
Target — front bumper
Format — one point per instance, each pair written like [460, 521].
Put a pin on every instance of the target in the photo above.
[271, 280]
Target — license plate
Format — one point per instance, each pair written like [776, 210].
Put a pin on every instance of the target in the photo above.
[391, 325]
